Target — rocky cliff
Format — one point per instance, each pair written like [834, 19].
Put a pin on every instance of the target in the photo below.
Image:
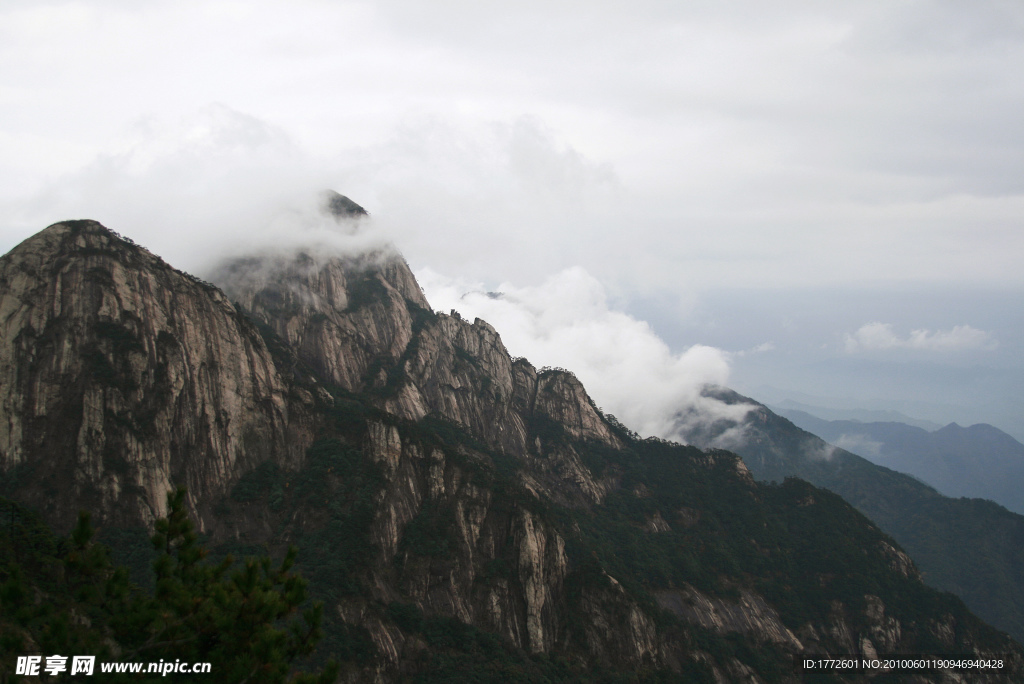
[460, 512]
[364, 325]
[122, 376]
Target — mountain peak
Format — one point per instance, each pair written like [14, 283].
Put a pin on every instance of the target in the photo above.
[96, 327]
[341, 207]
[55, 234]
[38, 254]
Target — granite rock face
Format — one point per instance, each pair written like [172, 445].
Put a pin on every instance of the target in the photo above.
[122, 377]
[364, 325]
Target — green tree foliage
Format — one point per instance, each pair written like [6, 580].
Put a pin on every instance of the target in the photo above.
[54, 593]
[246, 619]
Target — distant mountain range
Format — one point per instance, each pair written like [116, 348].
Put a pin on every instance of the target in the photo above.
[979, 461]
[858, 415]
[971, 547]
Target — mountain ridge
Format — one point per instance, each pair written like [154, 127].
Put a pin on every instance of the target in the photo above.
[458, 510]
[979, 461]
[968, 546]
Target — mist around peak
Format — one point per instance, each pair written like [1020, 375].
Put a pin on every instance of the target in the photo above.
[205, 186]
[326, 230]
[629, 371]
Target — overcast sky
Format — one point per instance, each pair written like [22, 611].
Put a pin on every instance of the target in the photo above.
[828, 196]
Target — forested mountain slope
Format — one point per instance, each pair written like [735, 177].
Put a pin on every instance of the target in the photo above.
[972, 547]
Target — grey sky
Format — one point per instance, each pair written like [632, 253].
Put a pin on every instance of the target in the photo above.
[731, 172]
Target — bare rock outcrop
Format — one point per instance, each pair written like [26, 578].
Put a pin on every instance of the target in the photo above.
[363, 323]
[129, 377]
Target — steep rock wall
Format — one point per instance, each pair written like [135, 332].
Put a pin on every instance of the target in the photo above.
[364, 324]
[129, 378]
[503, 566]
[348, 318]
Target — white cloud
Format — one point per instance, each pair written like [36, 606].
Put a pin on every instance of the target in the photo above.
[628, 370]
[487, 200]
[822, 451]
[881, 336]
[762, 348]
[796, 143]
[665, 147]
[196, 187]
[862, 445]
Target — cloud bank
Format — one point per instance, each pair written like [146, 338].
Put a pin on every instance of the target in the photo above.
[628, 370]
[196, 188]
[777, 148]
[791, 144]
[881, 336]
